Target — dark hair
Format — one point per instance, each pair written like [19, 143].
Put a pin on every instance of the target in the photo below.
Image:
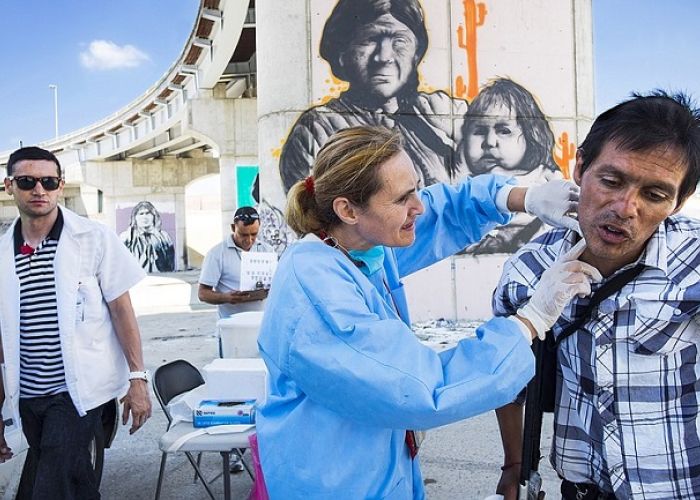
[645, 122]
[347, 165]
[31, 153]
[153, 211]
[246, 215]
[539, 138]
[348, 15]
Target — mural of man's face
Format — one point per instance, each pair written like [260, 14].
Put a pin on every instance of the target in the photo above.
[381, 57]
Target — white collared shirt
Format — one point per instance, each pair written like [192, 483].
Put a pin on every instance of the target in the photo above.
[92, 268]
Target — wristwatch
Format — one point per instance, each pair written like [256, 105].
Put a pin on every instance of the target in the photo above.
[144, 375]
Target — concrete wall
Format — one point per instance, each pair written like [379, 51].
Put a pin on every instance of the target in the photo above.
[540, 48]
[161, 182]
[231, 126]
[103, 190]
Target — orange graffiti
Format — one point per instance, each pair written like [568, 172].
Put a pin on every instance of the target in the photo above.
[336, 87]
[474, 15]
[568, 153]
[277, 152]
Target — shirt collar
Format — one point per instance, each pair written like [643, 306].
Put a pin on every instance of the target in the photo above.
[655, 254]
[54, 234]
[232, 244]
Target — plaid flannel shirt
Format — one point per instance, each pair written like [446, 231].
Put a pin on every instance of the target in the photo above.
[627, 391]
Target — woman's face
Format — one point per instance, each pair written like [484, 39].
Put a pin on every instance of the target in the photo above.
[381, 57]
[495, 140]
[390, 216]
[144, 218]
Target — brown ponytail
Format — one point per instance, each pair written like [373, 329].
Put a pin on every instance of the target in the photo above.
[347, 166]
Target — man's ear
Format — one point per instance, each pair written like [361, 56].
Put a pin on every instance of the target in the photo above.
[578, 167]
[345, 210]
[8, 186]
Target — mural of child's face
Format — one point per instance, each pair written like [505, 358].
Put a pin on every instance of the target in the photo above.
[381, 57]
[494, 141]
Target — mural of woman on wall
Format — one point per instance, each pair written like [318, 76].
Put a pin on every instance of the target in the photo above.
[147, 241]
[506, 132]
[376, 46]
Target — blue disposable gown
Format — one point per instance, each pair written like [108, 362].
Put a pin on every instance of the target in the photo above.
[347, 375]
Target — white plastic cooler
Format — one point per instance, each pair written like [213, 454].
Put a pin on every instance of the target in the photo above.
[239, 334]
[236, 379]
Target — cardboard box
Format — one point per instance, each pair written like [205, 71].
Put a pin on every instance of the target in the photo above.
[223, 412]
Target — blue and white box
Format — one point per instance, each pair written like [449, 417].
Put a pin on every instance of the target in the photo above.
[223, 412]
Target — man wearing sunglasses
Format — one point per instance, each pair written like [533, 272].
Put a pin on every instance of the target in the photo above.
[220, 279]
[70, 340]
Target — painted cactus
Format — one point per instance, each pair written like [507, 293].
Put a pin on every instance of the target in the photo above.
[568, 153]
[474, 16]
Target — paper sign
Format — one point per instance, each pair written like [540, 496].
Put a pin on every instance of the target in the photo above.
[257, 268]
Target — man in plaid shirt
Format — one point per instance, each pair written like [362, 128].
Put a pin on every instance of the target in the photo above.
[627, 404]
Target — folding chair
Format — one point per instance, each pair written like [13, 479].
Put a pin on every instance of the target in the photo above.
[169, 381]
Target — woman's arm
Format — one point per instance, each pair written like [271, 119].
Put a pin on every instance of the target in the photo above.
[516, 199]
[348, 343]
[455, 217]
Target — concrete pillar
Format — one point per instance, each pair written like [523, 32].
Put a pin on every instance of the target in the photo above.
[229, 125]
[227, 171]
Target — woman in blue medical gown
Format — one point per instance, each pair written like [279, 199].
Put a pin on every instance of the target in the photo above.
[348, 379]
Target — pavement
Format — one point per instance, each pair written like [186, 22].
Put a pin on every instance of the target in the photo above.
[459, 461]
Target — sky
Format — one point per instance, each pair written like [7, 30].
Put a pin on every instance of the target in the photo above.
[101, 54]
[642, 44]
[104, 54]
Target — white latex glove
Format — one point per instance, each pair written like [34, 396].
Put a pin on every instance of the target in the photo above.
[552, 201]
[558, 285]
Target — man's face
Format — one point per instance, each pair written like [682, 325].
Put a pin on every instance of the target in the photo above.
[381, 57]
[245, 236]
[36, 202]
[625, 195]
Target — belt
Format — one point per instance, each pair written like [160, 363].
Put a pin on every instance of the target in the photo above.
[583, 491]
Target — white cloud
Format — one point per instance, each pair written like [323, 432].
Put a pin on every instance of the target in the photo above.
[105, 55]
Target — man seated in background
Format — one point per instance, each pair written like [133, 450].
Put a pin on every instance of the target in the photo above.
[627, 402]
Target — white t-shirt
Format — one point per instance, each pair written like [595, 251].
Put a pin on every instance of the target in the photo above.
[221, 270]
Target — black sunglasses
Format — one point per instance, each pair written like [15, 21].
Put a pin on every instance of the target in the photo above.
[246, 218]
[27, 182]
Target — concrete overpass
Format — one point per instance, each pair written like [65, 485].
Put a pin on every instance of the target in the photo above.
[198, 119]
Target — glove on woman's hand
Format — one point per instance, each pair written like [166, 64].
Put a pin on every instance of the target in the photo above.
[558, 285]
[552, 201]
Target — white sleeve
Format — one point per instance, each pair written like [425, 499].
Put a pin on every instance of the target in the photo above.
[211, 269]
[118, 270]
